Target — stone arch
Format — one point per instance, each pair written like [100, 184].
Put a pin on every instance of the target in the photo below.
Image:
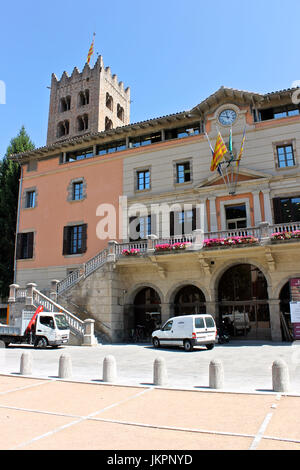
[216, 277]
[171, 294]
[281, 284]
[130, 296]
[187, 298]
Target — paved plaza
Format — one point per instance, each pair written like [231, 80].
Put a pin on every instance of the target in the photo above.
[44, 412]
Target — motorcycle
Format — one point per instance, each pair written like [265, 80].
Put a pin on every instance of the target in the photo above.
[223, 335]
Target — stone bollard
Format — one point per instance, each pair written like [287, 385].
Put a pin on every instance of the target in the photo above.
[65, 366]
[109, 369]
[160, 375]
[216, 374]
[280, 376]
[26, 364]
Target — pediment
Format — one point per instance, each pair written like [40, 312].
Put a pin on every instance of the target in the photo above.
[244, 175]
[225, 95]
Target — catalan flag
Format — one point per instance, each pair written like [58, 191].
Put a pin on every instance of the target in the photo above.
[91, 50]
[219, 152]
[242, 149]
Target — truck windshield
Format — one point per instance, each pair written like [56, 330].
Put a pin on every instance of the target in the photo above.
[61, 322]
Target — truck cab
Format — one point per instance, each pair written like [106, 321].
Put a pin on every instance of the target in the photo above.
[51, 329]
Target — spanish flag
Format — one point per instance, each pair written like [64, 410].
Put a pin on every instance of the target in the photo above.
[91, 50]
[219, 152]
[242, 149]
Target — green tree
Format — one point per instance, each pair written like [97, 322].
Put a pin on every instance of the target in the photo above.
[9, 191]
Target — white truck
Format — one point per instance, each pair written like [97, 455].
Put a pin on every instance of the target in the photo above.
[41, 329]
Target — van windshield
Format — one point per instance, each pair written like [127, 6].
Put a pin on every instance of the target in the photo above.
[209, 322]
[61, 322]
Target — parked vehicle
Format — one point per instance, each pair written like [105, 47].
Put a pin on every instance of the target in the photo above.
[187, 331]
[40, 329]
[223, 334]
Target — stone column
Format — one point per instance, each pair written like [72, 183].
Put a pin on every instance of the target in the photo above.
[53, 291]
[213, 309]
[213, 215]
[89, 338]
[151, 243]
[29, 293]
[12, 292]
[274, 307]
[264, 233]
[166, 313]
[257, 210]
[267, 204]
[198, 239]
[112, 250]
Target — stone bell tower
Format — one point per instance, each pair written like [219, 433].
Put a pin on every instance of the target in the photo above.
[86, 102]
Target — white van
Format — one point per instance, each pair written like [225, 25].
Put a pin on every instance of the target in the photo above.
[187, 331]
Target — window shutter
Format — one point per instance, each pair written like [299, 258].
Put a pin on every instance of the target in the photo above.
[19, 246]
[194, 222]
[30, 238]
[133, 228]
[277, 211]
[84, 238]
[171, 224]
[66, 239]
[153, 225]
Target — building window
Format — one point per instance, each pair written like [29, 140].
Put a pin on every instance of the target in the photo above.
[236, 216]
[143, 180]
[109, 101]
[181, 132]
[286, 209]
[108, 124]
[65, 104]
[77, 191]
[120, 112]
[74, 241]
[139, 228]
[83, 98]
[183, 172]
[183, 222]
[79, 155]
[111, 147]
[278, 113]
[30, 199]
[143, 140]
[63, 128]
[285, 156]
[82, 123]
[25, 245]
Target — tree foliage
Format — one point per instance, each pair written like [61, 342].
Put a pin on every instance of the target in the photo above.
[9, 191]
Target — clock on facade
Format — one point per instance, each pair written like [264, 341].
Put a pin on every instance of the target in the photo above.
[227, 117]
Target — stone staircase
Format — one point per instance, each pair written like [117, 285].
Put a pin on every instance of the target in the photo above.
[29, 298]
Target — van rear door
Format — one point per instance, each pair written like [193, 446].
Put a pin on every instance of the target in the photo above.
[199, 329]
[210, 328]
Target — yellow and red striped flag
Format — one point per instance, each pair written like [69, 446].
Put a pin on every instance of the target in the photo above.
[242, 149]
[91, 49]
[220, 151]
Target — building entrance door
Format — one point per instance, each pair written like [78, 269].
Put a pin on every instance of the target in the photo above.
[243, 302]
[250, 320]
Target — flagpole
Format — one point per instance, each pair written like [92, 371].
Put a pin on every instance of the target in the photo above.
[219, 168]
[240, 154]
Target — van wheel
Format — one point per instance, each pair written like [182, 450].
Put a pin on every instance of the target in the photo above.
[210, 346]
[187, 345]
[156, 342]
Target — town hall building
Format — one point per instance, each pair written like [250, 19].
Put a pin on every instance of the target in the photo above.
[228, 250]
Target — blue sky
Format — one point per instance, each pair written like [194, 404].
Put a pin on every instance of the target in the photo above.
[172, 53]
